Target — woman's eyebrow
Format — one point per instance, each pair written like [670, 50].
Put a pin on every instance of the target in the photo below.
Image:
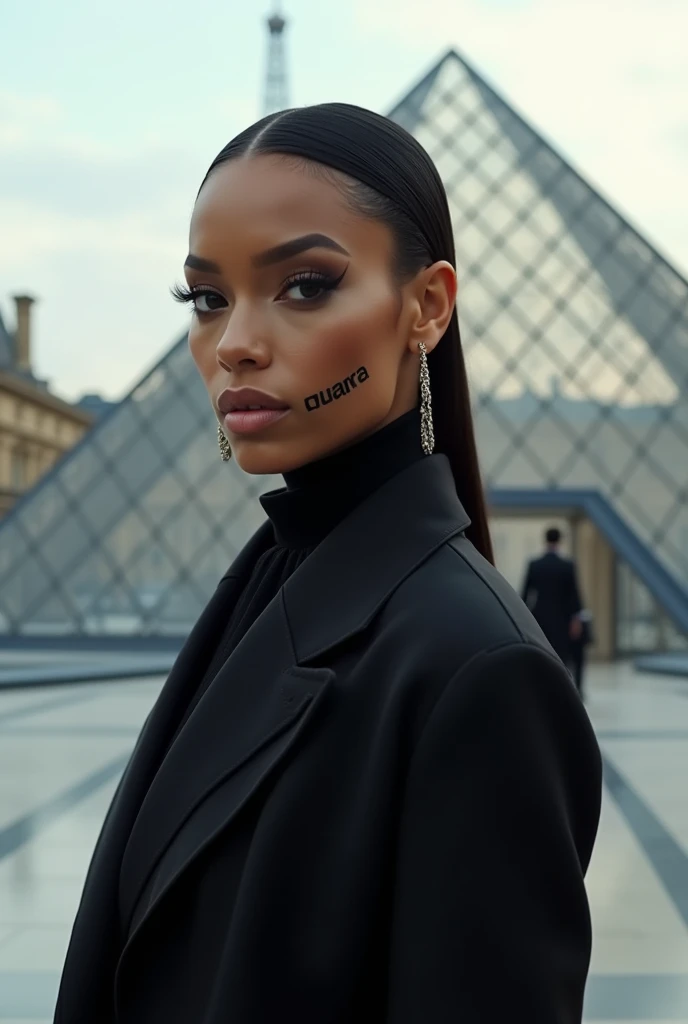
[198, 263]
[275, 255]
[296, 246]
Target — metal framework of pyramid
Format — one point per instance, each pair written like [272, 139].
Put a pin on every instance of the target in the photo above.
[576, 334]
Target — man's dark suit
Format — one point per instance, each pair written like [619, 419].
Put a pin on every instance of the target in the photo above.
[551, 592]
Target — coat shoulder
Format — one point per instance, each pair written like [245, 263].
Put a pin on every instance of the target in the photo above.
[451, 615]
[456, 606]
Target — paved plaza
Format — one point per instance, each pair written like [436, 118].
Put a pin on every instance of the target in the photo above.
[62, 750]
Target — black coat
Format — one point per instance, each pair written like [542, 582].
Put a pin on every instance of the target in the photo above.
[550, 590]
[380, 812]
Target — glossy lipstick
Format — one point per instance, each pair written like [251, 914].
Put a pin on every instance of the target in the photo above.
[247, 410]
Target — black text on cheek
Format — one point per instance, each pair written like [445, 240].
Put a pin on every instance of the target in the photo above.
[338, 390]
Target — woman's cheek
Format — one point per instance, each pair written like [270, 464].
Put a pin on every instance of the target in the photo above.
[203, 348]
[353, 331]
[338, 360]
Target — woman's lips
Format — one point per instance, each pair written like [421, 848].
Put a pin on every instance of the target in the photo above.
[248, 421]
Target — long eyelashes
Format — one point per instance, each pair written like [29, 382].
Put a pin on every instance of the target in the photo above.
[184, 295]
[193, 296]
[314, 279]
[180, 294]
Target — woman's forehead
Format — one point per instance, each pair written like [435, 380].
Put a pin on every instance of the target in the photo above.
[269, 196]
[265, 182]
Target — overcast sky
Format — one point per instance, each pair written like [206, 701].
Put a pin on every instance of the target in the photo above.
[111, 110]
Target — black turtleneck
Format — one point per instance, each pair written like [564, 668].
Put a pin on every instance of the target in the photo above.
[316, 498]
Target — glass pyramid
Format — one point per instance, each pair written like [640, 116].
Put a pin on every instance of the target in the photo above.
[576, 333]
[575, 328]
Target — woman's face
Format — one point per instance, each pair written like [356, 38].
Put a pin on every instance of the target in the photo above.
[294, 299]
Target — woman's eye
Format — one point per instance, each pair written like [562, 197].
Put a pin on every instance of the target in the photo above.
[306, 291]
[208, 302]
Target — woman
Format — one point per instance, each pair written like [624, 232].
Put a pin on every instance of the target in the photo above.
[368, 790]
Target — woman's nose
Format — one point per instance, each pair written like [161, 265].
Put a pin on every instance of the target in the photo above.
[243, 344]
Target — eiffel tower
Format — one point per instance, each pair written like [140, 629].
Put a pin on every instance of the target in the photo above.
[276, 86]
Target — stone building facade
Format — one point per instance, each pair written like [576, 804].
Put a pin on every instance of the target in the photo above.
[36, 427]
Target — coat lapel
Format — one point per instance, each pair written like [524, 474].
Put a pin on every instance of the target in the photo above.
[158, 728]
[239, 732]
[93, 945]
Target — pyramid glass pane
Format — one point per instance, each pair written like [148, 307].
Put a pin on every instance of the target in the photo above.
[576, 337]
[131, 532]
[641, 624]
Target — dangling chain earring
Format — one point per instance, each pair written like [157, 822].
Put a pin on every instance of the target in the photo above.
[225, 450]
[427, 434]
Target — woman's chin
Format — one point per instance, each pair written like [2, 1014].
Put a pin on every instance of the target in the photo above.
[265, 458]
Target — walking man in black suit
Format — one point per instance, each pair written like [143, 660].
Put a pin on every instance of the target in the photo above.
[551, 592]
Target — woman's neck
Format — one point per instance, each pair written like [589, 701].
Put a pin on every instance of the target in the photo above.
[320, 494]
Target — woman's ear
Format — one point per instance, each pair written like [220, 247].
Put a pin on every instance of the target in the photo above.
[435, 291]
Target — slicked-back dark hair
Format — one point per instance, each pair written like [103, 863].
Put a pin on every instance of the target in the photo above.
[390, 178]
